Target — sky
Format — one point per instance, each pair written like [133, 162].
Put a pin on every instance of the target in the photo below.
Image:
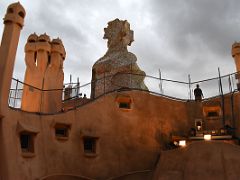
[180, 37]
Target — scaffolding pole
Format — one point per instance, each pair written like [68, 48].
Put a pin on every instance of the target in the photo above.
[15, 94]
[222, 97]
[189, 86]
[160, 81]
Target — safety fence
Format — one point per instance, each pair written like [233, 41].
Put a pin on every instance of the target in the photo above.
[179, 90]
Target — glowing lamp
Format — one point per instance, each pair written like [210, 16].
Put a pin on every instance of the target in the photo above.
[175, 143]
[182, 143]
[207, 137]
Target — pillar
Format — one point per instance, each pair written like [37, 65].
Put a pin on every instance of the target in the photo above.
[13, 23]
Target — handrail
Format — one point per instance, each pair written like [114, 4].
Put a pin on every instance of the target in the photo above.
[153, 77]
[75, 89]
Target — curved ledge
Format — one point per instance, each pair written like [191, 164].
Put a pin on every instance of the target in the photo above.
[68, 175]
[131, 173]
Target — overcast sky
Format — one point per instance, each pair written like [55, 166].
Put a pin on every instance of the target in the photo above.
[180, 37]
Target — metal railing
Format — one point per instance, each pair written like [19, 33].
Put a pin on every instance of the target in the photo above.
[173, 89]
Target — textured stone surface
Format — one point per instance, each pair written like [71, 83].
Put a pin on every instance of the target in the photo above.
[118, 67]
[44, 61]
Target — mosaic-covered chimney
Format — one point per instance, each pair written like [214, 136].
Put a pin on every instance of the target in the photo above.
[117, 68]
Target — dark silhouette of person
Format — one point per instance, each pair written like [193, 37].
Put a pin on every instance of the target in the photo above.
[198, 93]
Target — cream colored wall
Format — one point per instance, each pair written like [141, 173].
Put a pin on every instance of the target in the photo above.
[129, 140]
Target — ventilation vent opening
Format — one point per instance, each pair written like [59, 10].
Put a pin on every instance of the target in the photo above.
[31, 41]
[212, 112]
[49, 59]
[42, 40]
[124, 101]
[10, 10]
[21, 14]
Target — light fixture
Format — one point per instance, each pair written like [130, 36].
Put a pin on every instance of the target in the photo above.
[207, 137]
[175, 143]
[182, 143]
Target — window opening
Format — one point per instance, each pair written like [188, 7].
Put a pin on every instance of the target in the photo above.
[26, 140]
[124, 105]
[89, 144]
[61, 132]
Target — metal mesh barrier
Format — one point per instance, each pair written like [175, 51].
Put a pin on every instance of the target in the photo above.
[15, 94]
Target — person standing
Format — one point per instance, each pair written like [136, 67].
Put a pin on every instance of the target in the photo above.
[198, 93]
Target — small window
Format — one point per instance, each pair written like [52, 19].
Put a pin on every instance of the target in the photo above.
[124, 105]
[212, 112]
[62, 131]
[27, 143]
[89, 144]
